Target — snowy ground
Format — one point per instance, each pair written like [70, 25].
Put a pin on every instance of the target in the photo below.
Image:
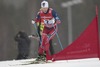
[93, 62]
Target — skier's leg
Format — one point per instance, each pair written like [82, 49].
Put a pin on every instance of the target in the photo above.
[51, 35]
[41, 50]
[46, 46]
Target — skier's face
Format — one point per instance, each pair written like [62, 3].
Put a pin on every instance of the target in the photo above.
[44, 10]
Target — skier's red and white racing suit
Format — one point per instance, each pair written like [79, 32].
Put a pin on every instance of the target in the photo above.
[47, 32]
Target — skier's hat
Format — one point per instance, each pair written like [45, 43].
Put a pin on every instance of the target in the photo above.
[44, 4]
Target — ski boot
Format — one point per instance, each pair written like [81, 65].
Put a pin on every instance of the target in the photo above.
[38, 58]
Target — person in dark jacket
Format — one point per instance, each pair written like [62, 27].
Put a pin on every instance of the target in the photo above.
[23, 45]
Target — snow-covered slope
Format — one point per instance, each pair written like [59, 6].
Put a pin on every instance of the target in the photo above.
[93, 62]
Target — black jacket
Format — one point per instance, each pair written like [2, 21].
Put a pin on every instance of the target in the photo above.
[23, 42]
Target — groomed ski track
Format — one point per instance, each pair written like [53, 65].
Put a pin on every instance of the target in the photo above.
[91, 62]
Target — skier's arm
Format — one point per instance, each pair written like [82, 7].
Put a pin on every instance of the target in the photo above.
[55, 15]
[37, 23]
[37, 19]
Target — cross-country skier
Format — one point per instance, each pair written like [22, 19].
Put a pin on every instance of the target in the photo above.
[46, 20]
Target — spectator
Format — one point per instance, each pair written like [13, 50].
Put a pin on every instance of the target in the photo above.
[23, 45]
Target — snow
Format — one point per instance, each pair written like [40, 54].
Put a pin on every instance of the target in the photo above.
[90, 62]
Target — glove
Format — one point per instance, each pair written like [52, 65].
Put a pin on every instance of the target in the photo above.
[33, 22]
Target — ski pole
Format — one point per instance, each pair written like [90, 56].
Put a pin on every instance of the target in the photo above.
[58, 38]
[57, 35]
[33, 22]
